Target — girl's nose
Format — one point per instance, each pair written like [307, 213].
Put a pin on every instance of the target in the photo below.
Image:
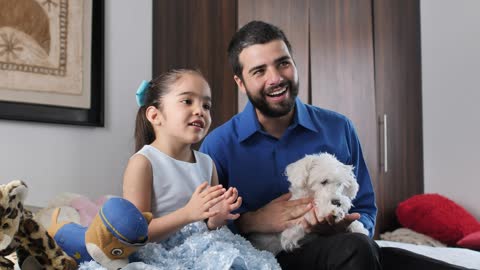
[198, 110]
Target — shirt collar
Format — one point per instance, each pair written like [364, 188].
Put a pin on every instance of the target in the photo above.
[248, 122]
[302, 117]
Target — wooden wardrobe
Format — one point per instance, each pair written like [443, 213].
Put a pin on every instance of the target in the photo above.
[358, 57]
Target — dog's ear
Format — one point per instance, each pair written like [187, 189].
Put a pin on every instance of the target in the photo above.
[299, 171]
[350, 183]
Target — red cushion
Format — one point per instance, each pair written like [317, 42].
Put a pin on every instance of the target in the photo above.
[437, 217]
[471, 241]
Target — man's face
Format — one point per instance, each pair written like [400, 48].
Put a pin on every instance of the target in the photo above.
[270, 78]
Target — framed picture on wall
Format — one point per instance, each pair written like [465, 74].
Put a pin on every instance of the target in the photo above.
[51, 61]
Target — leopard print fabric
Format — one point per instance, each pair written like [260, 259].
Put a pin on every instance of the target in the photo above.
[20, 233]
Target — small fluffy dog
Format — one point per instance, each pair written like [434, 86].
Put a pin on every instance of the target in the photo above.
[331, 183]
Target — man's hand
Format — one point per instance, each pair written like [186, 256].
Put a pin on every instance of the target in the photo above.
[276, 216]
[328, 226]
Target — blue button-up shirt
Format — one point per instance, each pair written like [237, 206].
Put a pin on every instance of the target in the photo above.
[254, 162]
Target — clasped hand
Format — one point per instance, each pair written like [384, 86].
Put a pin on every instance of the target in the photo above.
[214, 203]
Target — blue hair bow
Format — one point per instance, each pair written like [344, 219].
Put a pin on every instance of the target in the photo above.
[140, 95]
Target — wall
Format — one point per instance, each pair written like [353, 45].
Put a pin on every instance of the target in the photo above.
[58, 158]
[451, 95]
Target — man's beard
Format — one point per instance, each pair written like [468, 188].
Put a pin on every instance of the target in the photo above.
[280, 109]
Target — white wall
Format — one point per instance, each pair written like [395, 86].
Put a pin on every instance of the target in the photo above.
[56, 158]
[451, 96]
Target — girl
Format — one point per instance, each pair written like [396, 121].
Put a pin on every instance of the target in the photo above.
[166, 177]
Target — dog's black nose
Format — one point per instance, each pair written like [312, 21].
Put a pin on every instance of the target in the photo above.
[336, 202]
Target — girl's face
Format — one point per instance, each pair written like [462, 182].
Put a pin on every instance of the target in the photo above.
[185, 110]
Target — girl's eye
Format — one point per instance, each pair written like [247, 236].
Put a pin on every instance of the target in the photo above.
[207, 107]
[187, 101]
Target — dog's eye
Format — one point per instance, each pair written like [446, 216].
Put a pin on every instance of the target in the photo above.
[324, 182]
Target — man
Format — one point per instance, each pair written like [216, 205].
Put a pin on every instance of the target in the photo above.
[275, 129]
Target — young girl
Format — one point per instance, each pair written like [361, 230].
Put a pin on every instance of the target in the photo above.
[166, 177]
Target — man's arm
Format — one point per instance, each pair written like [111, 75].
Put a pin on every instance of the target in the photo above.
[274, 217]
[364, 202]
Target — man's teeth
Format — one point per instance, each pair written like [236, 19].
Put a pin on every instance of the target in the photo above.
[279, 92]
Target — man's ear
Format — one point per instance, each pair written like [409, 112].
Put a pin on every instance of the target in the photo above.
[240, 83]
[153, 115]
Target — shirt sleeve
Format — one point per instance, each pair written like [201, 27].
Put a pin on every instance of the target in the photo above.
[212, 149]
[216, 151]
[364, 202]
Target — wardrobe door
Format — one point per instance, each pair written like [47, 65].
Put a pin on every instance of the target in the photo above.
[342, 68]
[398, 87]
[195, 34]
[291, 17]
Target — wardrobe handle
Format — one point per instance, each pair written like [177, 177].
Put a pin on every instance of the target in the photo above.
[385, 144]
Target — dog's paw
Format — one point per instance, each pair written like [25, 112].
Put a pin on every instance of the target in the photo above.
[357, 227]
[289, 246]
[290, 237]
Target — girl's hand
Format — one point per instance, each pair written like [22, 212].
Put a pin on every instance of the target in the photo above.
[224, 208]
[204, 197]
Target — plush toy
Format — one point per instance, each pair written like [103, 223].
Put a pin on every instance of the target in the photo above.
[84, 208]
[438, 217]
[20, 233]
[117, 231]
[88, 209]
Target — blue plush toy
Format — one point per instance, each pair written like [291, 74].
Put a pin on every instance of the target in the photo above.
[117, 231]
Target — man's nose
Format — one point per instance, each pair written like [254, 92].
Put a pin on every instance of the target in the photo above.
[274, 77]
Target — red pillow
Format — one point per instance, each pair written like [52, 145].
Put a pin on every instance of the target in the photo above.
[471, 241]
[437, 217]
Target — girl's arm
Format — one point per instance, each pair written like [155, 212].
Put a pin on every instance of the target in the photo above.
[137, 188]
[137, 182]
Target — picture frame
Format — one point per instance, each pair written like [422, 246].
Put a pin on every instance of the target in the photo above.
[92, 115]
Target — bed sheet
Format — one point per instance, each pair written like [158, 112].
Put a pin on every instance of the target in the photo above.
[458, 256]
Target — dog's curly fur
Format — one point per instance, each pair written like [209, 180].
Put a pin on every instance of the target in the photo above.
[330, 183]
[21, 233]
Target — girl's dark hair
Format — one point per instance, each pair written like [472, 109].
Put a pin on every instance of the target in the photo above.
[157, 88]
[254, 32]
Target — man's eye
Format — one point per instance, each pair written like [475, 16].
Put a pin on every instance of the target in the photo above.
[258, 72]
[284, 64]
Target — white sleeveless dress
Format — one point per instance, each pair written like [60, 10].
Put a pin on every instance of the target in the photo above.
[174, 181]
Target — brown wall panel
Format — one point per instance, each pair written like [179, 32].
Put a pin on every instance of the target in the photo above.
[292, 17]
[342, 68]
[196, 34]
[398, 87]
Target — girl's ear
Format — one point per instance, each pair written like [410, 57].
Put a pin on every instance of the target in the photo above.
[153, 115]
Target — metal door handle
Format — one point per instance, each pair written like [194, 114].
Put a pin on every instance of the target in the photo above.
[385, 144]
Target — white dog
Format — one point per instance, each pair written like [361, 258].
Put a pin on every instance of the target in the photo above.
[331, 183]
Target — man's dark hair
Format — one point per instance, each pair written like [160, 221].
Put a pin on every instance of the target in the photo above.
[254, 32]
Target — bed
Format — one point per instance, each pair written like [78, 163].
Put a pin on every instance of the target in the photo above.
[451, 256]
[397, 249]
